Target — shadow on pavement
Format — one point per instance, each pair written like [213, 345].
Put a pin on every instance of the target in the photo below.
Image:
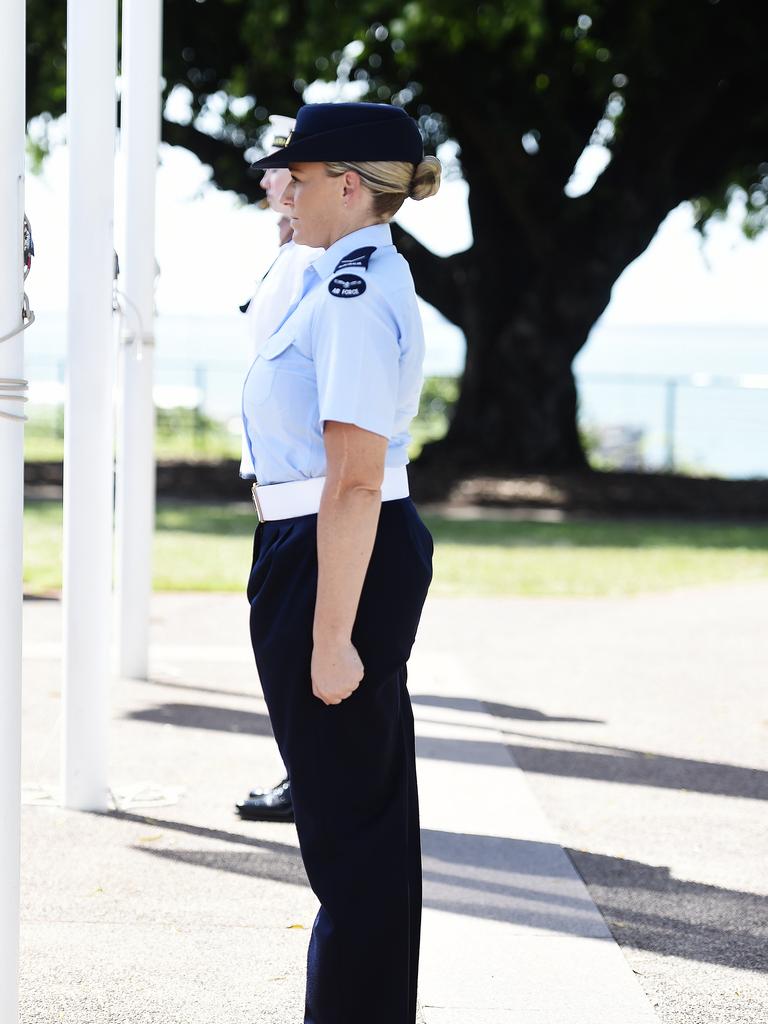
[597, 761]
[278, 862]
[520, 882]
[161, 682]
[605, 764]
[646, 907]
[206, 716]
[523, 884]
[640, 768]
[499, 710]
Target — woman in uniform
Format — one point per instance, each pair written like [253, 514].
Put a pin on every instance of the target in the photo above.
[342, 561]
[264, 311]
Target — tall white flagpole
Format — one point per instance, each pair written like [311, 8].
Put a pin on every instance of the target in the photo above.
[135, 504]
[88, 424]
[12, 387]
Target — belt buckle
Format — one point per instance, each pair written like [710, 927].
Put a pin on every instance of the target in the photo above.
[256, 502]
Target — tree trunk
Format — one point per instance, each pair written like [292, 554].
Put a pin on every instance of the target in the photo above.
[517, 408]
[526, 295]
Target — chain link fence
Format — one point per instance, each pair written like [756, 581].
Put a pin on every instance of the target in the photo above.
[698, 424]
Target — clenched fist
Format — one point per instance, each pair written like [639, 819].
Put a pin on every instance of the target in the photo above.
[336, 671]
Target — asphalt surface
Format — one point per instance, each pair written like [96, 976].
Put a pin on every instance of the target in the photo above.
[634, 729]
[641, 724]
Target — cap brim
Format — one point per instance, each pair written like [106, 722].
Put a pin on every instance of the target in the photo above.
[353, 142]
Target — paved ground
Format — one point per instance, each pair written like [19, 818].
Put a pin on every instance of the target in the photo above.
[621, 741]
[641, 725]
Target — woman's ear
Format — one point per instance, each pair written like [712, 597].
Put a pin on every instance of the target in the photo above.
[351, 185]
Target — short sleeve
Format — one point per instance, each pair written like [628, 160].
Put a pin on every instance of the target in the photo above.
[356, 349]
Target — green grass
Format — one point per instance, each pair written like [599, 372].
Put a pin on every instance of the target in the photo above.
[42, 546]
[592, 558]
[188, 435]
[179, 435]
[208, 547]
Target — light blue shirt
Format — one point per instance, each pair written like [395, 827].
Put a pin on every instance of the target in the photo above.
[279, 288]
[351, 348]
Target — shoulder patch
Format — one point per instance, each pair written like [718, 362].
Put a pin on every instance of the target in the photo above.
[346, 286]
[357, 258]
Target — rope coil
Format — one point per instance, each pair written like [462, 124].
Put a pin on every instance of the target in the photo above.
[9, 386]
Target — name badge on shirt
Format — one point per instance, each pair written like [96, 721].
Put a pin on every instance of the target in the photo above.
[346, 286]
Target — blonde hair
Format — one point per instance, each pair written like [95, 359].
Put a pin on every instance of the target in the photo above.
[391, 182]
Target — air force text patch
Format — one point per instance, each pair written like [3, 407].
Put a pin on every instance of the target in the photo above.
[356, 258]
[346, 286]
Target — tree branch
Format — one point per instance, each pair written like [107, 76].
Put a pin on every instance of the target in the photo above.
[438, 279]
[230, 170]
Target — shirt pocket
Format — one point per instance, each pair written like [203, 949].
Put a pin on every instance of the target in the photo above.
[262, 374]
[273, 346]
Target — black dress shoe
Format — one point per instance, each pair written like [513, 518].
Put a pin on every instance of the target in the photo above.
[274, 805]
[263, 792]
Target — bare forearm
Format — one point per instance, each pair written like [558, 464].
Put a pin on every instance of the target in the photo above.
[346, 530]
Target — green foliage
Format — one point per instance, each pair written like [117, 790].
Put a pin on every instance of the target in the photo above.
[670, 94]
[44, 433]
[438, 396]
[684, 78]
[188, 434]
[208, 547]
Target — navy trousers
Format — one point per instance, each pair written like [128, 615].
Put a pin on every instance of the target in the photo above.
[352, 766]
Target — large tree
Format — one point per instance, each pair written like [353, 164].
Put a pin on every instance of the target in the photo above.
[670, 93]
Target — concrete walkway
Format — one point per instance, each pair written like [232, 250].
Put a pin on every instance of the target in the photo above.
[170, 909]
[510, 932]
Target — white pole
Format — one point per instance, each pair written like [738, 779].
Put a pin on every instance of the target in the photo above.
[135, 505]
[11, 490]
[88, 424]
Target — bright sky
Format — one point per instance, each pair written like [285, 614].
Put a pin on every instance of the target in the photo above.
[211, 250]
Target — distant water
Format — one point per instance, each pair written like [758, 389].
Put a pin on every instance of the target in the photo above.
[645, 382]
[697, 393]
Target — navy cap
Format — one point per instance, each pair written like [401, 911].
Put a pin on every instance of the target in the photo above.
[328, 132]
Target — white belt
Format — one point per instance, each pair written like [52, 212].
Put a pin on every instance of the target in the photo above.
[302, 497]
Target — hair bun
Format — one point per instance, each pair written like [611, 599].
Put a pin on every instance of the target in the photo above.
[426, 179]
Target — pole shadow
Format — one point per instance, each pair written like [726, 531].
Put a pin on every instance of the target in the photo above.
[264, 858]
[498, 710]
[604, 764]
[205, 716]
[646, 907]
[528, 884]
[597, 761]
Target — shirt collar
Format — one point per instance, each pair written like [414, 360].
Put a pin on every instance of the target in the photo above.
[375, 234]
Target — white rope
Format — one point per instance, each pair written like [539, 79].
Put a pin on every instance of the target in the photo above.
[27, 319]
[128, 336]
[9, 385]
[25, 323]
